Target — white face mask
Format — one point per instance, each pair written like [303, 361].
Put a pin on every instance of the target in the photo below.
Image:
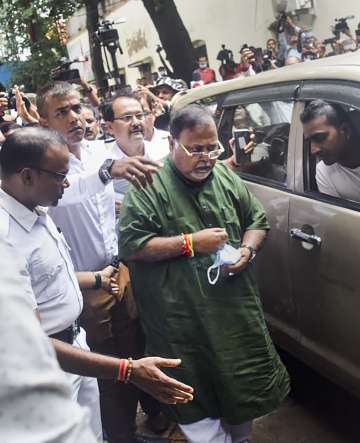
[202, 65]
[227, 255]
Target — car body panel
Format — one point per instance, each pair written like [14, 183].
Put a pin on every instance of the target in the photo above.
[311, 294]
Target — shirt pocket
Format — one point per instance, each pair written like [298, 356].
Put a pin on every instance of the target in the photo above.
[46, 277]
[231, 223]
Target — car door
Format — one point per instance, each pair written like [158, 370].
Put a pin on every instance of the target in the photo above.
[269, 174]
[324, 254]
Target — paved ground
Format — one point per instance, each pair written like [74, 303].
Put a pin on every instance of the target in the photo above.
[316, 412]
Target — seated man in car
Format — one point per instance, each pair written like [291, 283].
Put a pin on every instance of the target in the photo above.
[332, 139]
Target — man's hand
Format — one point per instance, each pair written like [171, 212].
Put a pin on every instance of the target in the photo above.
[121, 279]
[147, 376]
[107, 281]
[248, 149]
[136, 170]
[209, 240]
[245, 257]
[3, 102]
[30, 116]
[247, 57]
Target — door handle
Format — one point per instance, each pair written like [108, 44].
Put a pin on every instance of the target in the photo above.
[298, 234]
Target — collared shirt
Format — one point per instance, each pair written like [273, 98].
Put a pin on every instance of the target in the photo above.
[223, 323]
[35, 397]
[88, 223]
[155, 150]
[34, 235]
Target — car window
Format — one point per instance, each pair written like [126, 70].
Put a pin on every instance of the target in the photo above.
[214, 105]
[327, 176]
[270, 123]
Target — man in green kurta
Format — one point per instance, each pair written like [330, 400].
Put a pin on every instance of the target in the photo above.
[218, 330]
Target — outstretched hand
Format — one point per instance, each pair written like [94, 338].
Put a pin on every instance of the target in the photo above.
[147, 376]
[137, 170]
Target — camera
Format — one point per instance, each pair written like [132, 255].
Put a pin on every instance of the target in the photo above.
[329, 41]
[267, 57]
[106, 34]
[281, 23]
[63, 73]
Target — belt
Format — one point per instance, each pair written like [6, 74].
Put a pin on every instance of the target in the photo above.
[69, 334]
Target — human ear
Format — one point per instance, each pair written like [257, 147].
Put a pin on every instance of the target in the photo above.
[171, 143]
[26, 176]
[43, 122]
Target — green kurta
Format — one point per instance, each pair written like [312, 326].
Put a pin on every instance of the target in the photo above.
[218, 331]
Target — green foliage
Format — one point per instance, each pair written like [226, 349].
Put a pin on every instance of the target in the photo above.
[30, 37]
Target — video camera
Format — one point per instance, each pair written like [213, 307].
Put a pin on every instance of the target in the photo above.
[281, 23]
[225, 56]
[107, 35]
[267, 56]
[63, 73]
[341, 25]
[329, 41]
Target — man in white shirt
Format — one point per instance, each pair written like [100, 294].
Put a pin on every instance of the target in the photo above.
[127, 120]
[332, 139]
[35, 396]
[87, 220]
[34, 164]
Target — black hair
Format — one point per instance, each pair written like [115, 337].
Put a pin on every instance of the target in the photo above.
[26, 147]
[52, 89]
[189, 117]
[8, 126]
[334, 113]
[107, 109]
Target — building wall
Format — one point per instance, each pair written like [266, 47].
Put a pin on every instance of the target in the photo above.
[232, 22]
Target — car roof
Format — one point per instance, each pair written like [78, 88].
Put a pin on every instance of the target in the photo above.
[340, 67]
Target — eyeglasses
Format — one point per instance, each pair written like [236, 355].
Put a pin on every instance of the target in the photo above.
[59, 176]
[212, 155]
[129, 117]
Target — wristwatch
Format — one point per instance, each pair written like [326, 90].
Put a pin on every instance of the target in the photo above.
[251, 250]
[104, 171]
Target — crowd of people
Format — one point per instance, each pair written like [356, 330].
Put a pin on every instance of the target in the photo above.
[93, 208]
[131, 246]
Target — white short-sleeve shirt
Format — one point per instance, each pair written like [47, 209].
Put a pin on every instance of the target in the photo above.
[34, 235]
[35, 396]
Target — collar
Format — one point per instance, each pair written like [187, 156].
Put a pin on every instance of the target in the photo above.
[116, 149]
[19, 212]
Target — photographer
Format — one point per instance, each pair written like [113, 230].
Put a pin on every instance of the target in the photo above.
[227, 66]
[247, 63]
[288, 38]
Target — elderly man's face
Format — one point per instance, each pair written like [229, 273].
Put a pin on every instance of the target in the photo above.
[128, 125]
[201, 138]
[326, 141]
[63, 114]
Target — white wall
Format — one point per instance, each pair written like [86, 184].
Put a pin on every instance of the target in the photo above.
[232, 22]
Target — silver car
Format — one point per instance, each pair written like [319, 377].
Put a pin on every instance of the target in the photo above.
[309, 269]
